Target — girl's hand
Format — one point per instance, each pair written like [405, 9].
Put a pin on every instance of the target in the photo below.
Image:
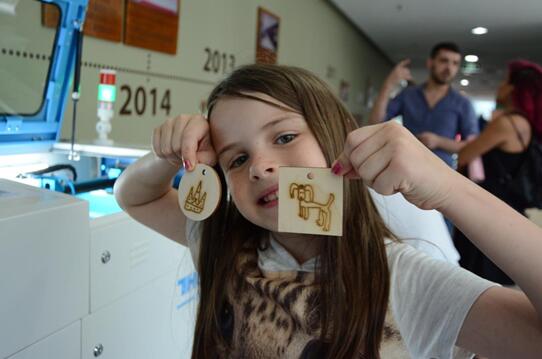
[390, 159]
[184, 140]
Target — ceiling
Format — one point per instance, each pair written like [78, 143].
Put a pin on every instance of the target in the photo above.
[409, 28]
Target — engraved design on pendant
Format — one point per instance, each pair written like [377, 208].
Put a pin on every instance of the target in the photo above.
[304, 194]
[199, 192]
[195, 201]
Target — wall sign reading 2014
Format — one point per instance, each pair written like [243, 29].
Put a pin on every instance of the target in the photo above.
[218, 61]
[137, 101]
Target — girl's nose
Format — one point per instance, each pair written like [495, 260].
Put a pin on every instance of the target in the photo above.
[261, 169]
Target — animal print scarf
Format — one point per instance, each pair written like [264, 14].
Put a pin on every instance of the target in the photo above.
[273, 315]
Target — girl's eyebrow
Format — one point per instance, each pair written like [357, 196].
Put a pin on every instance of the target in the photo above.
[279, 119]
[226, 148]
[272, 123]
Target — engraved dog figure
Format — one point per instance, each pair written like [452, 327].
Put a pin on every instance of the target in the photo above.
[305, 197]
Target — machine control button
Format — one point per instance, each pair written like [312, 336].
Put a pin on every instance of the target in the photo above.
[106, 257]
[98, 350]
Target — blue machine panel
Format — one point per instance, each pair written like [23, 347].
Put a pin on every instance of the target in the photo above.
[37, 132]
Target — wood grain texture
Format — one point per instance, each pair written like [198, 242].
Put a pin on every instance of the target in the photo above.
[310, 205]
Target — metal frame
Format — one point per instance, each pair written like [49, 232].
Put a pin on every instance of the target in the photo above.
[38, 132]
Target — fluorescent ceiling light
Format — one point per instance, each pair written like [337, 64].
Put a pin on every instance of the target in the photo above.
[464, 82]
[479, 30]
[471, 58]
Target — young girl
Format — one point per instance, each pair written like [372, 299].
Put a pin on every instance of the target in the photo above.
[265, 294]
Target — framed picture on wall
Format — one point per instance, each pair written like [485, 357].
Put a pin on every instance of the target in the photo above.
[344, 90]
[267, 37]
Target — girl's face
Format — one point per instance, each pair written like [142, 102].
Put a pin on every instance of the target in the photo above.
[253, 139]
[504, 92]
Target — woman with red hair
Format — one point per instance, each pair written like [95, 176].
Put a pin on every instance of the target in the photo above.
[503, 146]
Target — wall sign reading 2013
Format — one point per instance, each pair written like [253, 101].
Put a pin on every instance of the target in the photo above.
[218, 61]
[138, 102]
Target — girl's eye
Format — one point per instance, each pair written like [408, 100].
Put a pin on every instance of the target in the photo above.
[285, 139]
[238, 161]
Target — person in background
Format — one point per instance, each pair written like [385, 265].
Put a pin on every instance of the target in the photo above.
[502, 145]
[433, 111]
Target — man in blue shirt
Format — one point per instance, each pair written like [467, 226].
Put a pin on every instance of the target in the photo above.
[432, 111]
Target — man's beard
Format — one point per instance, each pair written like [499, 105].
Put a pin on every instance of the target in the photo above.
[439, 80]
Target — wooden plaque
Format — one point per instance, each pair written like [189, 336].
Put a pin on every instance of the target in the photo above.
[199, 192]
[152, 24]
[103, 19]
[310, 201]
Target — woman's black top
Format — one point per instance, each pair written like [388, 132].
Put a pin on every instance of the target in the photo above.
[496, 163]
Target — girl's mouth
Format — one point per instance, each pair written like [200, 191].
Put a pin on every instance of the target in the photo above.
[269, 200]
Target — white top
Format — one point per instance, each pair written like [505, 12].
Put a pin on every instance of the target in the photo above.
[429, 298]
[422, 229]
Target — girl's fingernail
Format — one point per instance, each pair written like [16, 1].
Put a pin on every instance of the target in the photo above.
[336, 168]
[186, 164]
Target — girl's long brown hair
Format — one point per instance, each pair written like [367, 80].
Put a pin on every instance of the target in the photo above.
[353, 269]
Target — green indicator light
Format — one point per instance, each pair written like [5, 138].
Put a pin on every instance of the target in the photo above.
[107, 93]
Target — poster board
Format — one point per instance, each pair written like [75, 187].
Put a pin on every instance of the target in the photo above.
[267, 35]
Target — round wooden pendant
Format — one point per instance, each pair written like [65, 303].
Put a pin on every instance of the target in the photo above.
[199, 192]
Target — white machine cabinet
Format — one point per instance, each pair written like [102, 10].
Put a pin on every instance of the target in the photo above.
[138, 279]
[65, 343]
[44, 264]
[78, 288]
